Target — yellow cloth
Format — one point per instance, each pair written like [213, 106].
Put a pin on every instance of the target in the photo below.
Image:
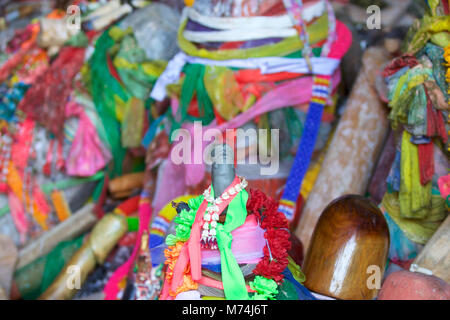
[417, 230]
[415, 199]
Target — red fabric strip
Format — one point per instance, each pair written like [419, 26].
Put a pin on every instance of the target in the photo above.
[440, 123]
[98, 209]
[112, 69]
[255, 75]
[20, 150]
[398, 63]
[129, 206]
[426, 162]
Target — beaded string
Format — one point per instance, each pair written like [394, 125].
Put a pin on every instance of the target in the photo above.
[320, 93]
[294, 9]
[211, 216]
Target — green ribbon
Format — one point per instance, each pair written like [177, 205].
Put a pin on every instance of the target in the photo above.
[69, 183]
[4, 210]
[296, 271]
[415, 199]
[104, 89]
[232, 277]
[193, 84]
[133, 224]
[184, 221]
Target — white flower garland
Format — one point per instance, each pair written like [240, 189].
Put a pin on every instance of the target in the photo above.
[211, 216]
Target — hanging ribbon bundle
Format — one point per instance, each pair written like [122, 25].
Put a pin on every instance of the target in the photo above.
[417, 84]
[40, 89]
[45, 101]
[235, 69]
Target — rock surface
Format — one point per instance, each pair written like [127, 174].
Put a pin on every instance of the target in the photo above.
[405, 285]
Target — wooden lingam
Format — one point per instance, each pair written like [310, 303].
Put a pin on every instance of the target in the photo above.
[350, 244]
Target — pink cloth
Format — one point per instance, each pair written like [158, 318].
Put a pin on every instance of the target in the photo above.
[444, 185]
[87, 154]
[288, 94]
[247, 246]
[112, 286]
[342, 43]
[178, 177]
[18, 214]
[170, 184]
[20, 149]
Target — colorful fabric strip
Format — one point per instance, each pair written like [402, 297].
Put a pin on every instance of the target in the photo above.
[268, 65]
[304, 151]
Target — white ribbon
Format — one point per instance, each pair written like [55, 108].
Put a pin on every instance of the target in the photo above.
[248, 28]
[267, 65]
[238, 23]
[170, 75]
[245, 23]
[238, 35]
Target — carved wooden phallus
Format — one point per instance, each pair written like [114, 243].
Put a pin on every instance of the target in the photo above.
[348, 250]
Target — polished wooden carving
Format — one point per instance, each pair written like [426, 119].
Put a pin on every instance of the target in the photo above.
[349, 246]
